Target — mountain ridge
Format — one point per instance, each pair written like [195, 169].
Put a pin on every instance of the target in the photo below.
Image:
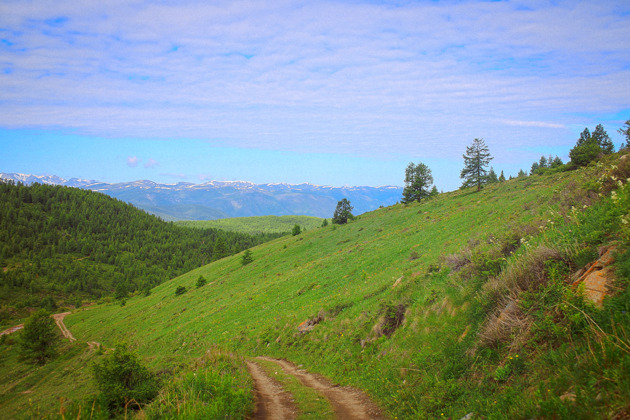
[224, 199]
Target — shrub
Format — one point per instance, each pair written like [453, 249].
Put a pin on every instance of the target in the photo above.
[180, 290]
[201, 281]
[123, 381]
[296, 230]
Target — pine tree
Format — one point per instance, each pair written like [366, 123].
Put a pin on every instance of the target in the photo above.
[585, 136]
[247, 257]
[492, 176]
[603, 139]
[501, 177]
[477, 157]
[220, 249]
[625, 131]
[418, 179]
[343, 212]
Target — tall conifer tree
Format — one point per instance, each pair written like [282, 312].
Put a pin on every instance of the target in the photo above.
[477, 157]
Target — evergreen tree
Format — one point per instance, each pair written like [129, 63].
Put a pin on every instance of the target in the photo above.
[492, 176]
[434, 192]
[477, 157]
[39, 338]
[542, 163]
[343, 212]
[534, 168]
[521, 174]
[556, 162]
[625, 131]
[220, 249]
[501, 177]
[247, 257]
[585, 136]
[325, 223]
[296, 230]
[603, 140]
[418, 180]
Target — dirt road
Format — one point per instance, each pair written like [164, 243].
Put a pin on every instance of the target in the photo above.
[272, 402]
[347, 403]
[65, 331]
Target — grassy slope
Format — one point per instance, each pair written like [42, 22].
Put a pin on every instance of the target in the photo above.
[257, 224]
[346, 274]
[347, 271]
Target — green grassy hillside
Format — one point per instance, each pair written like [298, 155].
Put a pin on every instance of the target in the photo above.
[460, 304]
[257, 224]
[61, 245]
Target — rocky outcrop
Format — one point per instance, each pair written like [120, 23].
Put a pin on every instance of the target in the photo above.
[597, 277]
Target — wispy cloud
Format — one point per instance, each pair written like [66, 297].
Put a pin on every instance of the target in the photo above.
[132, 161]
[151, 163]
[176, 176]
[540, 124]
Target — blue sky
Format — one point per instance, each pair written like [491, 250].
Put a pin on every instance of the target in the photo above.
[327, 92]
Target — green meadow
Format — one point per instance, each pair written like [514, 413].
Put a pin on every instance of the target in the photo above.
[399, 303]
[256, 224]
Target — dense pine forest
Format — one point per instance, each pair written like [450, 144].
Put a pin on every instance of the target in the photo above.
[61, 245]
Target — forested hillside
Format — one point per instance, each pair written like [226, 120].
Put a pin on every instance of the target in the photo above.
[72, 245]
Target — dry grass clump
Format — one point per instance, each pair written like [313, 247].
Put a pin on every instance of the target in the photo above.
[507, 321]
[458, 261]
[522, 274]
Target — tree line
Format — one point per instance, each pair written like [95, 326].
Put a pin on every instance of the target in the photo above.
[589, 147]
[74, 244]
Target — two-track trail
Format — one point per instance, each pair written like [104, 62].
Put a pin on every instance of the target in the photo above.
[347, 403]
[64, 330]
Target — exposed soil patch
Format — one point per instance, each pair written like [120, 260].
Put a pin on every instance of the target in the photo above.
[272, 402]
[65, 331]
[348, 403]
[12, 329]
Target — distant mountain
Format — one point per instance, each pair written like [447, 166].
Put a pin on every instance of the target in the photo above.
[222, 199]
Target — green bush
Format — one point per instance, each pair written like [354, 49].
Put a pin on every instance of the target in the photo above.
[39, 338]
[201, 281]
[124, 383]
[180, 290]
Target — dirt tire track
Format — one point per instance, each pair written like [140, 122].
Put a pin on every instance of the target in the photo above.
[348, 403]
[64, 330]
[272, 402]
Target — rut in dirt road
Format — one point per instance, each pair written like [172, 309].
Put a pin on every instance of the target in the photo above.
[347, 403]
[272, 402]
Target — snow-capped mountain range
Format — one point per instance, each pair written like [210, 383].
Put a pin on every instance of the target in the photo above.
[220, 199]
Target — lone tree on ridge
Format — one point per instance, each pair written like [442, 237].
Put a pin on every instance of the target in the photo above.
[418, 180]
[343, 212]
[477, 157]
